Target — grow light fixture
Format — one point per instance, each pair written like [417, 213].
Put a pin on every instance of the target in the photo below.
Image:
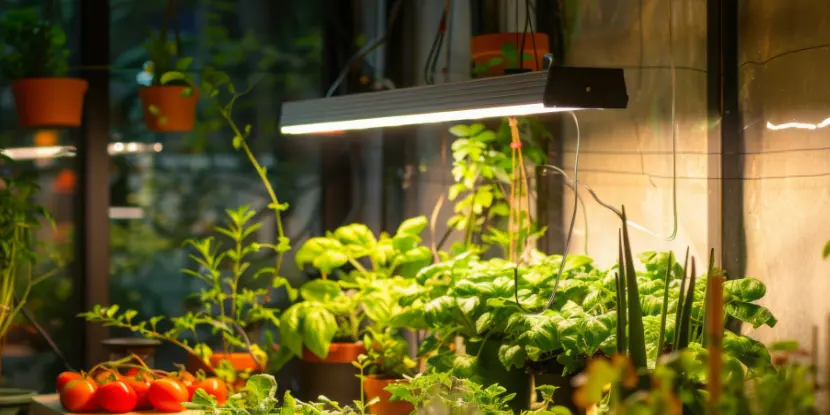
[557, 89]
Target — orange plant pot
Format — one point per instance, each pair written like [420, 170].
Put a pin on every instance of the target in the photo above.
[375, 387]
[49, 102]
[486, 51]
[166, 110]
[338, 353]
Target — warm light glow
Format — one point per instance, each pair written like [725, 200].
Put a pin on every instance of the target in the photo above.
[33, 153]
[799, 125]
[50, 152]
[123, 212]
[427, 118]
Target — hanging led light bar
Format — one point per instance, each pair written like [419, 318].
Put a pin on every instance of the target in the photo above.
[557, 89]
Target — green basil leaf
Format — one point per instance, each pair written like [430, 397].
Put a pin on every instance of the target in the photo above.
[413, 226]
[745, 289]
[512, 356]
[751, 313]
[319, 328]
[320, 290]
[290, 334]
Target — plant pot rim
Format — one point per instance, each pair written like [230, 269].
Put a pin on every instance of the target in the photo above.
[339, 352]
[50, 78]
[168, 87]
[385, 378]
[130, 342]
[514, 34]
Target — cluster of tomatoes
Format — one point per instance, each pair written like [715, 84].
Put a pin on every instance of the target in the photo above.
[118, 393]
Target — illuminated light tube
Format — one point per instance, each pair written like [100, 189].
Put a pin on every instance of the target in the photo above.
[557, 89]
[799, 125]
[126, 213]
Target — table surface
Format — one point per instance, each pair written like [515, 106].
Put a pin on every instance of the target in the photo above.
[51, 405]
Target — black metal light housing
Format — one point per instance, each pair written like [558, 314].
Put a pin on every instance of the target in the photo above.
[557, 89]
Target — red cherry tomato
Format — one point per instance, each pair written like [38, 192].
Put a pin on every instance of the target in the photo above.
[106, 376]
[216, 388]
[131, 372]
[141, 385]
[167, 395]
[189, 381]
[117, 397]
[67, 377]
[80, 396]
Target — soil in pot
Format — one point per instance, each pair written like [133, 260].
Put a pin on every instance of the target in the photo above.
[120, 348]
[494, 53]
[15, 401]
[491, 370]
[49, 102]
[334, 376]
[375, 387]
[169, 108]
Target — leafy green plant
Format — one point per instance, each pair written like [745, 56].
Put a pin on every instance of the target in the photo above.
[482, 166]
[333, 310]
[20, 219]
[259, 397]
[228, 307]
[445, 393]
[31, 47]
[678, 382]
[509, 57]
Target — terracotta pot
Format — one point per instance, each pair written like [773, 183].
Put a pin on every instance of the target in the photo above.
[488, 56]
[375, 387]
[239, 361]
[49, 102]
[338, 353]
[166, 110]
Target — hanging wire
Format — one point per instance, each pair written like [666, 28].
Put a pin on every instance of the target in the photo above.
[366, 49]
[437, 43]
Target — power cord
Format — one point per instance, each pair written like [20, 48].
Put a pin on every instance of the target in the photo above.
[366, 49]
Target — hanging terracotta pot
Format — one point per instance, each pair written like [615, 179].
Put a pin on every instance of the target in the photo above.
[49, 102]
[493, 54]
[169, 108]
[375, 387]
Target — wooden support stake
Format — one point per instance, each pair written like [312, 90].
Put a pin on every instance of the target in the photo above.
[714, 325]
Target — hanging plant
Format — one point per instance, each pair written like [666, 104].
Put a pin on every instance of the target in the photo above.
[33, 56]
[169, 96]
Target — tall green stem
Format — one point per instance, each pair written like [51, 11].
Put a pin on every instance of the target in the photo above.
[226, 113]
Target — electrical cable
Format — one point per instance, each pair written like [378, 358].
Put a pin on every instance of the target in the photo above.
[570, 228]
[366, 49]
[437, 43]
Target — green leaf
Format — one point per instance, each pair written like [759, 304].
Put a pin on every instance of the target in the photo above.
[460, 130]
[512, 356]
[510, 53]
[320, 290]
[744, 289]
[319, 328]
[262, 386]
[237, 142]
[171, 76]
[751, 313]
[325, 254]
[413, 226]
[826, 252]
[290, 334]
[468, 305]
[484, 322]
[153, 110]
[357, 236]
[486, 136]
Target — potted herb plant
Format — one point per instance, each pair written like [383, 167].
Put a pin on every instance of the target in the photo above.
[498, 54]
[33, 56]
[20, 220]
[227, 306]
[326, 329]
[168, 95]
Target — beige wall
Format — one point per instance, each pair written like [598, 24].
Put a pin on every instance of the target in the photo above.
[625, 156]
[788, 175]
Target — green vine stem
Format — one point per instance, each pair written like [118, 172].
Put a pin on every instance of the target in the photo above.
[240, 141]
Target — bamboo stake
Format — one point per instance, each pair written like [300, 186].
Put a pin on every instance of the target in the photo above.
[814, 356]
[827, 370]
[714, 324]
